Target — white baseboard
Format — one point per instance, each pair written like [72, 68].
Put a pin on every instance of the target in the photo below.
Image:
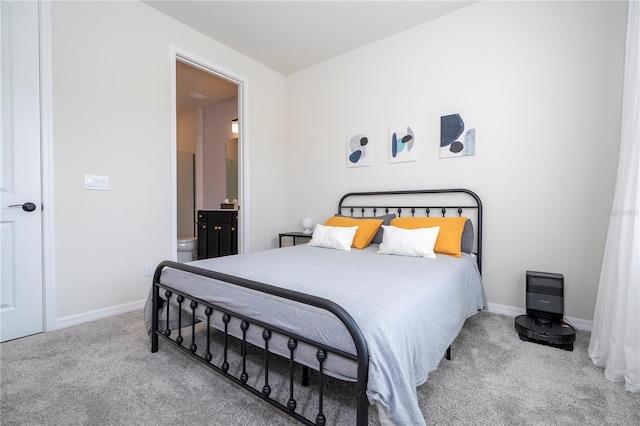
[64, 322]
[580, 324]
[509, 311]
[72, 320]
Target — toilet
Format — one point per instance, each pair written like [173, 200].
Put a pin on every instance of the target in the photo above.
[187, 249]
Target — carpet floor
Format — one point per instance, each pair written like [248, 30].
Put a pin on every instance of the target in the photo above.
[102, 373]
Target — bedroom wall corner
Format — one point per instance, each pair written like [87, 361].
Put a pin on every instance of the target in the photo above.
[112, 118]
[544, 82]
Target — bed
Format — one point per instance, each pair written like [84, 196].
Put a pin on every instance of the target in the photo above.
[381, 321]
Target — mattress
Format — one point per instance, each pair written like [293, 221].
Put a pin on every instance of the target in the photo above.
[409, 309]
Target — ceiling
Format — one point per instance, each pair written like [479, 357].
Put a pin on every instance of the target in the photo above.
[190, 80]
[288, 36]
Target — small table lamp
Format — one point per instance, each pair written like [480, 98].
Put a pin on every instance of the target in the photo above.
[307, 224]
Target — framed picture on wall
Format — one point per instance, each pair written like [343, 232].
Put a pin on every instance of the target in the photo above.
[358, 150]
[457, 135]
[402, 144]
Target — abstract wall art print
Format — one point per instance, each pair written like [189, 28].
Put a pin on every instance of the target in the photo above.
[357, 150]
[402, 145]
[457, 136]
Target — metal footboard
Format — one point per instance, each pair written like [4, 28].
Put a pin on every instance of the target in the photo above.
[440, 202]
[189, 304]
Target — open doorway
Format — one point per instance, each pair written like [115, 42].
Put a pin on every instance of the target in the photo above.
[207, 161]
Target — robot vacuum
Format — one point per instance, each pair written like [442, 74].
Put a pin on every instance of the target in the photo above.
[546, 331]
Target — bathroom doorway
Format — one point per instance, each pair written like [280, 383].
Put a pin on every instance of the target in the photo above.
[206, 174]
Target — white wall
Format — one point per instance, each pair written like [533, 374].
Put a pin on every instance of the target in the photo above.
[544, 80]
[112, 117]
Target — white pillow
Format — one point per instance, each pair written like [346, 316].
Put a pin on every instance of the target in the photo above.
[409, 242]
[333, 237]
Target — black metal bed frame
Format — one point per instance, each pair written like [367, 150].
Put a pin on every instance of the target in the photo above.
[187, 302]
[413, 209]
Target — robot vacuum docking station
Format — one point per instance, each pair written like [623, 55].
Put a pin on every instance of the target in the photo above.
[543, 322]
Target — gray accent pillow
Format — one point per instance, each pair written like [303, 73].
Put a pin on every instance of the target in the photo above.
[386, 220]
[467, 237]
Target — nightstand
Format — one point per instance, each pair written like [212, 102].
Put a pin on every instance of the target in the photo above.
[295, 235]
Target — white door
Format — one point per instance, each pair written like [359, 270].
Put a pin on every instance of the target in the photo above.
[21, 298]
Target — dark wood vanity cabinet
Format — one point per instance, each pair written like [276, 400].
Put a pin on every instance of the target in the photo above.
[217, 233]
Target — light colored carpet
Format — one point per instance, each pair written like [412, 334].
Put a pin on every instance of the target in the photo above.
[102, 373]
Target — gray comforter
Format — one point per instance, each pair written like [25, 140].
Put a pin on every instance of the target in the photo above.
[409, 309]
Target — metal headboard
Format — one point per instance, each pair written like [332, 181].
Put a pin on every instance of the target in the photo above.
[422, 206]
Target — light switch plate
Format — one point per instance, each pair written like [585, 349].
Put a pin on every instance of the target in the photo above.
[100, 183]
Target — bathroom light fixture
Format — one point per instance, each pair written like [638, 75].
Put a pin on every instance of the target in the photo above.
[197, 96]
[234, 126]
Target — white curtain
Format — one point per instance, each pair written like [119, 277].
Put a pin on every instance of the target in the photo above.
[615, 339]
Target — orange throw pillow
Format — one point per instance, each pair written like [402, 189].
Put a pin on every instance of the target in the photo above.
[367, 228]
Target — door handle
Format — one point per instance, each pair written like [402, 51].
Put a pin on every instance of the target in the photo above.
[27, 207]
